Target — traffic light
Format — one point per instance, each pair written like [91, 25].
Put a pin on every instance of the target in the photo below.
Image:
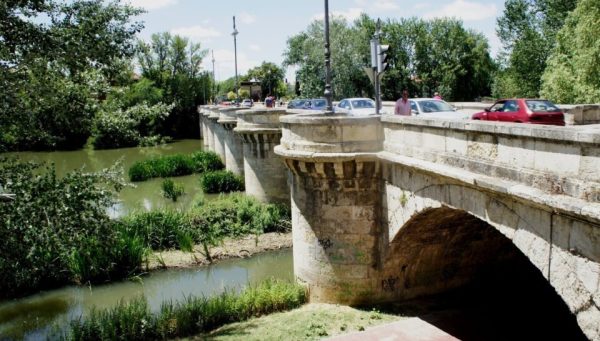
[374, 44]
[382, 57]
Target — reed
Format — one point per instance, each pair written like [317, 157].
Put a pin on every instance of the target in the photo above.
[134, 320]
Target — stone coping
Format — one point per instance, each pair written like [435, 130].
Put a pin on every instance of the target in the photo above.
[255, 130]
[557, 133]
[263, 111]
[552, 202]
[321, 119]
[324, 157]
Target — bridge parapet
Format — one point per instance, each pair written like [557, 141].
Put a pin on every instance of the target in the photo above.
[555, 160]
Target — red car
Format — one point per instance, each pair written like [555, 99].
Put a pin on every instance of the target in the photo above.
[522, 110]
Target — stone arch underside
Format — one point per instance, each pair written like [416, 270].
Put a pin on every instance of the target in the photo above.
[555, 243]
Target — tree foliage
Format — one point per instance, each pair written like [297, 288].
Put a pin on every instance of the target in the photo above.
[527, 30]
[270, 77]
[424, 56]
[573, 72]
[174, 63]
[56, 59]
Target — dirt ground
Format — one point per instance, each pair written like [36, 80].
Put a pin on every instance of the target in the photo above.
[231, 248]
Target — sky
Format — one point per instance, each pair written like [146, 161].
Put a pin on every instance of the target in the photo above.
[264, 26]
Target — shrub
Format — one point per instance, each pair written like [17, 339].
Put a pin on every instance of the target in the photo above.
[171, 189]
[57, 231]
[134, 320]
[221, 182]
[174, 165]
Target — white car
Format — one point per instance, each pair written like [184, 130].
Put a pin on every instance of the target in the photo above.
[434, 108]
[247, 103]
[356, 107]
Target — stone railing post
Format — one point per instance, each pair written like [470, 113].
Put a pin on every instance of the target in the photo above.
[232, 143]
[335, 202]
[265, 173]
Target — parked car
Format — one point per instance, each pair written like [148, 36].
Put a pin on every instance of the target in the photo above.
[356, 107]
[315, 104]
[434, 108]
[522, 110]
[296, 103]
[247, 103]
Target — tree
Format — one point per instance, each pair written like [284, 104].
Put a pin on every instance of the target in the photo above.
[424, 56]
[573, 72]
[56, 60]
[174, 63]
[527, 30]
[269, 75]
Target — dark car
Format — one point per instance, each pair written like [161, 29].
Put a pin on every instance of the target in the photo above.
[522, 110]
[315, 104]
[296, 104]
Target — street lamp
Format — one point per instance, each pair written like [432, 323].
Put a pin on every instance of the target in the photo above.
[328, 94]
[234, 34]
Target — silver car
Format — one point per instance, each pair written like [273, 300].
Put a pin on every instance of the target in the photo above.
[356, 107]
[434, 108]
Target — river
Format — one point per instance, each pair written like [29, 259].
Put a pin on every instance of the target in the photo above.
[31, 318]
[145, 195]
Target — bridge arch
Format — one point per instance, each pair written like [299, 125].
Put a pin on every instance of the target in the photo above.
[484, 276]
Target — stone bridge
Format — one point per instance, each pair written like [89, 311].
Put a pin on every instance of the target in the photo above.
[391, 208]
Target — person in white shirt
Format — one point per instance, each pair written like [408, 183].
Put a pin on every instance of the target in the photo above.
[402, 105]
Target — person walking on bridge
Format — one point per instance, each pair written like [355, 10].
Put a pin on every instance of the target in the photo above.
[402, 105]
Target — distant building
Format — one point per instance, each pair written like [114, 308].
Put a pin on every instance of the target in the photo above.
[253, 88]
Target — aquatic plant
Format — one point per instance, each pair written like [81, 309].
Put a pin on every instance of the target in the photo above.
[171, 189]
[221, 182]
[174, 165]
[135, 321]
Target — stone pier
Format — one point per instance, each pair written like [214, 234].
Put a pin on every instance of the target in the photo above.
[335, 192]
[217, 133]
[265, 173]
[232, 143]
[207, 131]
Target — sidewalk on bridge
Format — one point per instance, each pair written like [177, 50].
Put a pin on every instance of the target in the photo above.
[412, 329]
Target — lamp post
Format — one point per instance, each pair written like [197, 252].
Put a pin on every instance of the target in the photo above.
[213, 92]
[234, 34]
[328, 94]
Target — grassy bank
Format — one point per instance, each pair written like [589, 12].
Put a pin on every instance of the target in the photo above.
[313, 321]
[134, 321]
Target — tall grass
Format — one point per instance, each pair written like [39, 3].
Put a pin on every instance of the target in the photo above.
[175, 165]
[158, 230]
[134, 321]
[171, 189]
[221, 182]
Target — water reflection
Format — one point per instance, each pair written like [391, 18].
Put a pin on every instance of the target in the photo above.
[32, 317]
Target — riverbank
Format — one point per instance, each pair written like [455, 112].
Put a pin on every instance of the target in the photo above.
[312, 321]
[231, 248]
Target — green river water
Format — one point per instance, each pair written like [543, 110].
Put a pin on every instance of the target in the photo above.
[145, 195]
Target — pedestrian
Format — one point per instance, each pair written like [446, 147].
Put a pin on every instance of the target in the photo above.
[436, 95]
[269, 101]
[402, 105]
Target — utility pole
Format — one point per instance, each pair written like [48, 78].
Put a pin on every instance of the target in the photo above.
[328, 94]
[214, 87]
[234, 34]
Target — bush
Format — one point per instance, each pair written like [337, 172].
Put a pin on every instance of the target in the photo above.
[174, 165]
[221, 182]
[171, 189]
[134, 320]
[56, 230]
